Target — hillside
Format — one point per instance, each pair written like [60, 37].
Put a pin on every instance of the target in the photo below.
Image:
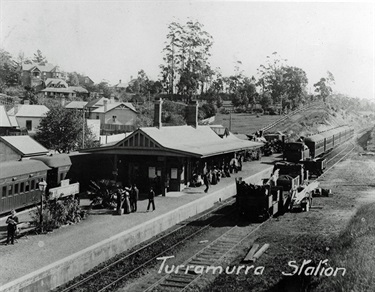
[310, 120]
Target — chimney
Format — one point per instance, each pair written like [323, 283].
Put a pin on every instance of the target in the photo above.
[192, 114]
[15, 107]
[105, 101]
[157, 113]
[63, 101]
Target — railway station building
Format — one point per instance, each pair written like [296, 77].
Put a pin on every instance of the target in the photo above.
[166, 157]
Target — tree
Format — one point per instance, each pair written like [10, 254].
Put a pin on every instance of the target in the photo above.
[295, 82]
[186, 57]
[61, 130]
[8, 70]
[323, 87]
[39, 58]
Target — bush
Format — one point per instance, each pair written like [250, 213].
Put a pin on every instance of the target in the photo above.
[57, 213]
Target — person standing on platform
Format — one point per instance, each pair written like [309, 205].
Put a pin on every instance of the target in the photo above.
[126, 203]
[206, 180]
[134, 194]
[151, 198]
[12, 222]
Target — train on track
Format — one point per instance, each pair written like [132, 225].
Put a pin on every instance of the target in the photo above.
[289, 186]
[19, 179]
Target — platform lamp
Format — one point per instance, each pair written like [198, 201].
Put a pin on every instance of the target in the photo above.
[42, 188]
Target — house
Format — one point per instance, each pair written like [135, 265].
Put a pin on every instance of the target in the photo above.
[34, 74]
[115, 116]
[77, 105]
[120, 86]
[85, 80]
[14, 148]
[28, 116]
[5, 123]
[58, 88]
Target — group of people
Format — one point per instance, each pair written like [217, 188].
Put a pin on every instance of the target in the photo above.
[127, 199]
[213, 176]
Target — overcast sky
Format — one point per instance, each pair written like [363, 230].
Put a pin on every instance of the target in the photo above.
[113, 40]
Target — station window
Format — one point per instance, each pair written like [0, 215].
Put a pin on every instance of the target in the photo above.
[4, 192]
[27, 187]
[32, 185]
[10, 190]
[22, 187]
[16, 186]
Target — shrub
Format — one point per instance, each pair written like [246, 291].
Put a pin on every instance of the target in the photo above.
[57, 213]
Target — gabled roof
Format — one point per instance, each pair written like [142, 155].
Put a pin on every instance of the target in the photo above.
[24, 145]
[4, 119]
[79, 89]
[56, 82]
[14, 168]
[76, 104]
[121, 85]
[29, 110]
[47, 67]
[98, 102]
[177, 140]
[111, 106]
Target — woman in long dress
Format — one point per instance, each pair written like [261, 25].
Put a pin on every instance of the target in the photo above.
[126, 203]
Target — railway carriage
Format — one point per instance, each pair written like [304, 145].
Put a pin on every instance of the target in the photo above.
[19, 179]
[19, 183]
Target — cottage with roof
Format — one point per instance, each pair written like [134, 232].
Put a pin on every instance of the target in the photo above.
[115, 115]
[58, 88]
[28, 116]
[33, 74]
[168, 156]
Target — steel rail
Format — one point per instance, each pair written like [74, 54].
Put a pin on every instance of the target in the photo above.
[106, 268]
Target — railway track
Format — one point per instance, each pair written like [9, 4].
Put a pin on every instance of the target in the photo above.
[127, 266]
[117, 273]
[207, 260]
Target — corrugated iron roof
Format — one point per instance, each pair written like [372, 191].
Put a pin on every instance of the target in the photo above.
[111, 106]
[47, 67]
[54, 160]
[76, 104]
[4, 119]
[14, 168]
[24, 145]
[29, 110]
[201, 141]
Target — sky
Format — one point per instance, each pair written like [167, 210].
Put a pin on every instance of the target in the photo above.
[113, 40]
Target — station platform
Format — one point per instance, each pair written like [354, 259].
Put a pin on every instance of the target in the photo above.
[45, 261]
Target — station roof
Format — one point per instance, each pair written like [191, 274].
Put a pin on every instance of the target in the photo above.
[54, 161]
[176, 141]
[24, 145]
[14, 168]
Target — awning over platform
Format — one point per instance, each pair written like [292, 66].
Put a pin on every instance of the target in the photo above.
[176, 140]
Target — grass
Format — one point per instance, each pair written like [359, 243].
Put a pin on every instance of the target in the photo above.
[354, 250]
[243, 123]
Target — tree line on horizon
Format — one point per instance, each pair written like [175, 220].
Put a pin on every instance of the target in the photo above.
[186, 74]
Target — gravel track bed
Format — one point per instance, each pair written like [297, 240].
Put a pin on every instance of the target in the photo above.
[128, 264]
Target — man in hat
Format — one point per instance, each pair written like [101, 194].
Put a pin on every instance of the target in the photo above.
[12, 222]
